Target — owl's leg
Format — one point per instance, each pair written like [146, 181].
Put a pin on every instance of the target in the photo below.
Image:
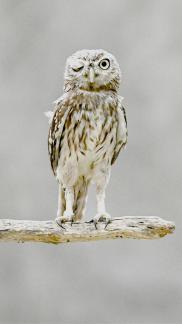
[61, 205]
[65, 214]
[101, 215]
[69, 196]
[61, 201]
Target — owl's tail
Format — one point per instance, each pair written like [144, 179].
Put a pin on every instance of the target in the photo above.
[80, 198]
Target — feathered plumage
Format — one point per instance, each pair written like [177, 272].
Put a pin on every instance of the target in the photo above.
[87, 131]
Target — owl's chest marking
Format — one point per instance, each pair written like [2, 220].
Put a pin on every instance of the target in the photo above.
[89, 135]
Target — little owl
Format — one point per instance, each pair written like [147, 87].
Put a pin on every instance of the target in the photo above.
[88, 128]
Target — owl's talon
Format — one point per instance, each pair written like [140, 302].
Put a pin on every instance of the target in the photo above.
[95, 224]
[100, 218]
[67, 217]
[107, 223]
[72, 221]
[90, 221]
[59, 222]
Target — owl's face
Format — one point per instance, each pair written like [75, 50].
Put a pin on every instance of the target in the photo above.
[92, 70]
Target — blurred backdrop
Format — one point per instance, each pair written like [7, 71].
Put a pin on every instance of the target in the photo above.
[109, 282]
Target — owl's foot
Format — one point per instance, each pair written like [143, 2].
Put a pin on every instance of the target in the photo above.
[67, 217]
[59, 222]
[101, 217]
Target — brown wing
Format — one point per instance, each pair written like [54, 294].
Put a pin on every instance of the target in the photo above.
[56, 131]
[122, 132]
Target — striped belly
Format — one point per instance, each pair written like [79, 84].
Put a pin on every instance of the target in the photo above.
[95, 139]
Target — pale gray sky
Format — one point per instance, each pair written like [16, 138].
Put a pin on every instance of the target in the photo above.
[109, 282]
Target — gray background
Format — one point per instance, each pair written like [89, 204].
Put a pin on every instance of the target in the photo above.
[100, 282]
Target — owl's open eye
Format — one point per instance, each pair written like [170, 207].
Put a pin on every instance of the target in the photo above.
[104, 64]
[77, 68]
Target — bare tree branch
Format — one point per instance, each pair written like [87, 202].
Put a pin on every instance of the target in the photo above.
[135, 227]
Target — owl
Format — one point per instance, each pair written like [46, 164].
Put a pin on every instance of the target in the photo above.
[88, 129]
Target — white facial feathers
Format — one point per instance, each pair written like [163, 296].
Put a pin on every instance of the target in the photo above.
[92, 70]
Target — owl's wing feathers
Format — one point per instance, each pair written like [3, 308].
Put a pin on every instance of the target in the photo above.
[61, 112]
[122, 132]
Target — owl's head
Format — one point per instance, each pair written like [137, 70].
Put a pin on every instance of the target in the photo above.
[92, 70]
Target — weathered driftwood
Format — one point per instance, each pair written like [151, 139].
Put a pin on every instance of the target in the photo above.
[135, 227]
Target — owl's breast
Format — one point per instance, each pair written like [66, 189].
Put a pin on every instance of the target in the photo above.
[83, 132]
[93, 134]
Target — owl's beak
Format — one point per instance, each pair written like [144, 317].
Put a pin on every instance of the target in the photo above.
[91, 75]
